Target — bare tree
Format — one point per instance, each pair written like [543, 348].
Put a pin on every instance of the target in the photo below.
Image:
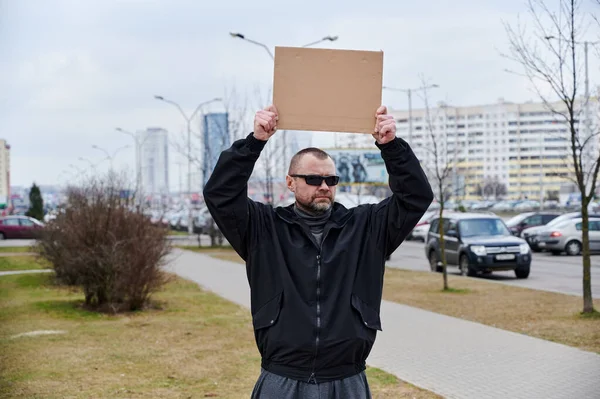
[441, 171]
[551, 59]
[493, 187]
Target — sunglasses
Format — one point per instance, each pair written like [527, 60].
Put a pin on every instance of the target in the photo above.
[317, 180]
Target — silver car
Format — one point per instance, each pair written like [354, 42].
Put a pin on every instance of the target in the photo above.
[567, 236]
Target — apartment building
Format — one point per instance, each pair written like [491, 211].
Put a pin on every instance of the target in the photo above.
[525, 147]
[154, 160]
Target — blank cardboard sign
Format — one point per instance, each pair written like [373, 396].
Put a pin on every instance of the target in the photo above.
[327, 90]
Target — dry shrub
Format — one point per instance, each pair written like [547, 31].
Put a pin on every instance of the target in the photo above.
[102, 244]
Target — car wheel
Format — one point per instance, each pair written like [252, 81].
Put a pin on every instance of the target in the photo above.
[465, 269]
[522, 271]
[433, 262]
[2, 236]
[573, 248]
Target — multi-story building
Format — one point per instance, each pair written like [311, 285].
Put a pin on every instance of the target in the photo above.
[215, 134]
[524, 147]
[4, 173]
[154, 160]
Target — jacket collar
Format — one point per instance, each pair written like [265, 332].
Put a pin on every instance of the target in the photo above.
[339, 214]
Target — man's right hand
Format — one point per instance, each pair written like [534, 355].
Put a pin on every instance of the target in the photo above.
[265, 123]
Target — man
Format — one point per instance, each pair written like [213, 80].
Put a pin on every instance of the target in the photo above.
[315, 268]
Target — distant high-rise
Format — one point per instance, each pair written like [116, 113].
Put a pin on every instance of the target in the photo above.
[215, 129]
[4, 173]
[154, 161]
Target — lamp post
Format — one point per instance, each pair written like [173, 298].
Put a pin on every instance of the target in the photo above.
[409, 91]
[238, 35]
[587, 89]
[243, 37]
[108, 155]
[82, 159]
[188, 120]
[78, 169]
[138, 161]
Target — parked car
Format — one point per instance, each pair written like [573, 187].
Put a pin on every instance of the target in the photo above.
[475, 243]
[527, 205]
[531, 234]
[22, 227]
[567, 236]
[529, 219]
[421, 229]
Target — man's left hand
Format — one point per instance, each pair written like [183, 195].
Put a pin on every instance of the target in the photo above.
[385, 127]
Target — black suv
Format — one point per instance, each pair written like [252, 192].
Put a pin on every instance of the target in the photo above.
[477, 242]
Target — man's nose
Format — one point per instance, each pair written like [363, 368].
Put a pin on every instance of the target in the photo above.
[323, 186]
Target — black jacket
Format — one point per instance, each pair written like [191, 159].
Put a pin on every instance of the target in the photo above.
[315, 312]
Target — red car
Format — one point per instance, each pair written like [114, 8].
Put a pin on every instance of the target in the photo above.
[19, 227]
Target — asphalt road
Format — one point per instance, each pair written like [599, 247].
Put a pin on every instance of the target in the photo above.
[550, 273]
[561, 273]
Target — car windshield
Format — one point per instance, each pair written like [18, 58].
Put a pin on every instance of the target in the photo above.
[482, 227]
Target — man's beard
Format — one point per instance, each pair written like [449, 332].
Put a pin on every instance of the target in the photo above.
[316, 208]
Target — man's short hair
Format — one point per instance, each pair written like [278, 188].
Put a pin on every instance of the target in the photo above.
[316, 152]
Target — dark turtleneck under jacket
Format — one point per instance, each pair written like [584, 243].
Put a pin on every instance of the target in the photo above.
[316, 223]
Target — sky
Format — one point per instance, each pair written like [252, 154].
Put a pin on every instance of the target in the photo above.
[71, 71]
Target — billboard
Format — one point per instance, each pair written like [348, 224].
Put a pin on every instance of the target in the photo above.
[359, 166]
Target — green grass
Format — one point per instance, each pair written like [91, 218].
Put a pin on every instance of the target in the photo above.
[196, 248]
[15, 249]
[380, 377]
[71, 310]
[178, 233]
[21, 262]
[190, 344]
[595, 315]
[451, 290]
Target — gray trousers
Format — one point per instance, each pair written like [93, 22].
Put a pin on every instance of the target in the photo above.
[273, 386]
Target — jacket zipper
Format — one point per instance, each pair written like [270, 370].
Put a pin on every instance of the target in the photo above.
[312, 377]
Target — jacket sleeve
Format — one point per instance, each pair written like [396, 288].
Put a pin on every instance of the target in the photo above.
[395, 217]
[226, 192]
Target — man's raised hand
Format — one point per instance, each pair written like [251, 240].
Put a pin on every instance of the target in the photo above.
[385, 127]
[265, 123]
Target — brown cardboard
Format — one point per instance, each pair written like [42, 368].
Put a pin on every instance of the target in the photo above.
[327, 90]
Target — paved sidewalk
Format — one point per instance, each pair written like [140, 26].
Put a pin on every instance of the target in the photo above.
[452, 357]
[25, 272]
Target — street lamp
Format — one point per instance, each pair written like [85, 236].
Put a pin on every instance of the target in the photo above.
[138, 161]
[409, 91]
[82, 159]
[243, 37]
[108, 155]
[587, 78]
[189, 150]
[79, 170]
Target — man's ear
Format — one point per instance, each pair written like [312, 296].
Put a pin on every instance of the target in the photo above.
[289, 181]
